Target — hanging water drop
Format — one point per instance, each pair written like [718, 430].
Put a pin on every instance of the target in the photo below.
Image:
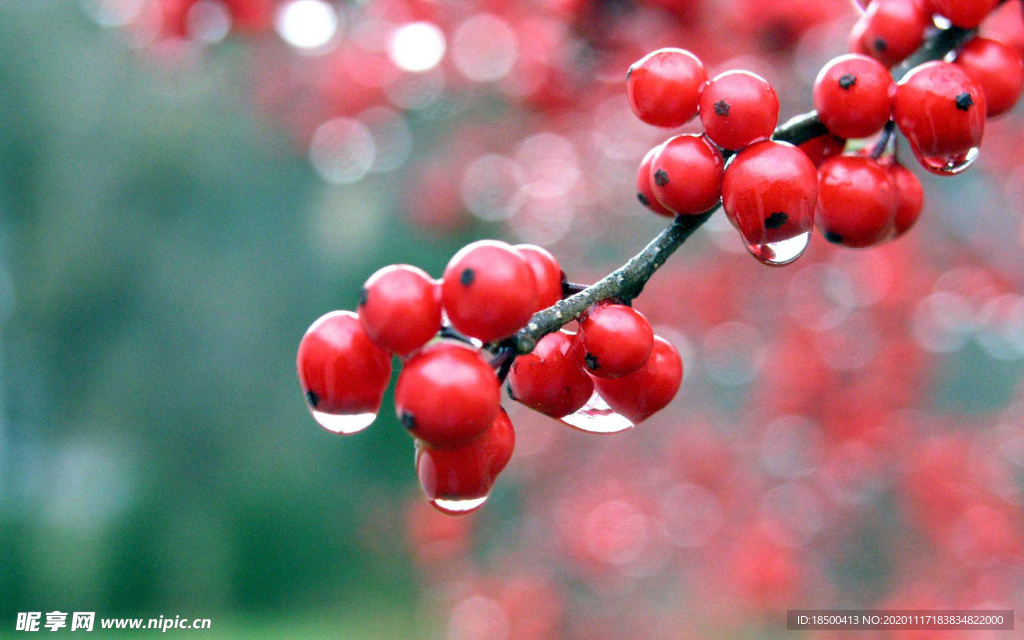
[769, 191]
[597, 417]
[781, 252]
[458, 506]
[949, 165]
[344, 424]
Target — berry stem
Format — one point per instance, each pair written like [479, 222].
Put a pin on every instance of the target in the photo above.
[883, 140]
[935, 48]
[570, 288]
[448, 331]
[626, 282]
[502, 361]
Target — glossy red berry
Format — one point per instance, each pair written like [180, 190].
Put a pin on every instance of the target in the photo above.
[997, 69]
[966, 14]
[398, 308]
[488, 290]
[342, 372]
[458, 480]
[768, 192]
[822, 148]
[550, 379]
[857, 202]
[941, 111]
[664, 87]
[890, 30]
[644, 192]
[643, 393]
[910, 196]
[615, 340]
[738, 108]
[853, 96]
[547, 273]
[686, 174]
[447, 394]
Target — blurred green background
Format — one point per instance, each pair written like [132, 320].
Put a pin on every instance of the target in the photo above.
[161, 255]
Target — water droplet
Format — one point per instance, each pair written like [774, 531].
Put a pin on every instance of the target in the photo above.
[782, 252]
[949, 165]
[458, 506]
[597, 417]
[344, 424]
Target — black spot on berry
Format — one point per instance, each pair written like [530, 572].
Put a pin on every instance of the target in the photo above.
[834, 237]
[660, 178]
[847, 80]
[364, 295]
[964, 101]
[722, 108]
[591, 361]
[880, 44]
[629, 72]
[643, 199]
[467, 277]
[312, 399]
[407, 420]
[775, 220]
[508, 388]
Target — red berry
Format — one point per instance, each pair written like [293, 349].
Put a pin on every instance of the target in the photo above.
[853, 96]
[489, 290]
[550, 379]
[643, 393]
[966, 14]
[857, 202]
[342, 372]
[644, 192]
[997, 69]
[398, 308]
[458, 480]
[768, 192]
[822, 148]
[547, 274]
[447, 394]
[664, 87]
[686, 174]
[890, 30]
[910, 195]
[738, 108]
[615, 340]
[941, 111]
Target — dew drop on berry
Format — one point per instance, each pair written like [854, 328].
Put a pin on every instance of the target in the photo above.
[597, 417]
[780, 252]
[949, 165]
[343, 424]
[458, 506]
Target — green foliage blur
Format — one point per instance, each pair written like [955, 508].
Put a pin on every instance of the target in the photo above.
[162, 250]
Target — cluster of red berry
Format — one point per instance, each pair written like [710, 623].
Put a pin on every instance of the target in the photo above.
[614, 359]
[456, 336]
[774, 192]
[448, 393]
